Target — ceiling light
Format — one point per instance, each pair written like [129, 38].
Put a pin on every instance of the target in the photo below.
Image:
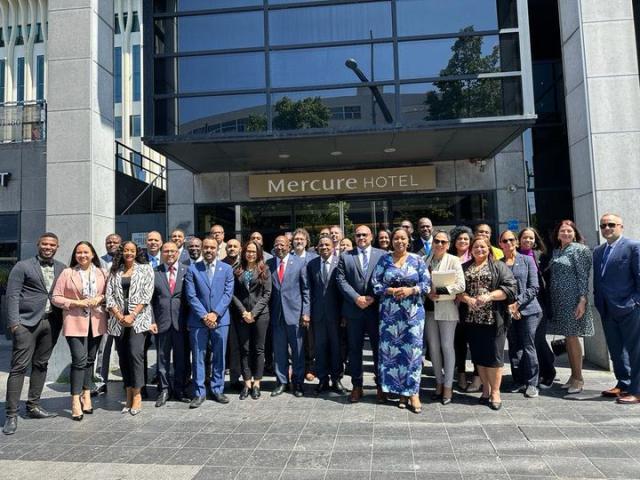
[283, 155]
[389, 150]
[335, 153]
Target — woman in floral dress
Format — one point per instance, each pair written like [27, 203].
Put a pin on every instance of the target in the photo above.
[401, 279]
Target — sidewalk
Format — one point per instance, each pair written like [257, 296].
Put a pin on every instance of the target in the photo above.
[581, 436]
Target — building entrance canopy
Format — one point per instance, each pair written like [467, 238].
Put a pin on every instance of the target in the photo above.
[471, 139]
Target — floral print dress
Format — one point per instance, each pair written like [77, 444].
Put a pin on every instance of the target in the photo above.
[401, 324]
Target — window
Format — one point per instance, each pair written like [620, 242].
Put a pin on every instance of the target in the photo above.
[40, 77]
[134, 28]
[117, 74]
[2, 81]
[20, 81]
[1, 38]
[39, 37]
[19, 37]
[135, 52]
[117, 126]
[134, 125]
[346, 112]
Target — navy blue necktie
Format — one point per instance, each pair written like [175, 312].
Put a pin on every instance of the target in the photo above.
[605, 257]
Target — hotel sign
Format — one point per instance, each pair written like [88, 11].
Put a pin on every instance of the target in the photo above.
[378, 180]
[4, 179]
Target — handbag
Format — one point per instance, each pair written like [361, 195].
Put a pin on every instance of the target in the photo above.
[559, 346]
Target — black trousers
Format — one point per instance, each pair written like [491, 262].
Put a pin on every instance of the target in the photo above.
[460, 345]
[251, 339]
[130, 347]
[233, 361]
[309, 350]
[83, 356]
[177, 342]
[32, 346]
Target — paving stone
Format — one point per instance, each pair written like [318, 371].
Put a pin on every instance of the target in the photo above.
[217, 473]
[268, 459]
[320, 443]
[309, 460]
[350, 461]
[573, 467]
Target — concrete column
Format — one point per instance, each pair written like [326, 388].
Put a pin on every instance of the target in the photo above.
[602, 95]
[80, 142]
[181, 203]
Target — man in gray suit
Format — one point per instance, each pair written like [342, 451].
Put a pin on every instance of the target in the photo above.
[289, 314]
[360, 307]
[35, 325]
[170, 315]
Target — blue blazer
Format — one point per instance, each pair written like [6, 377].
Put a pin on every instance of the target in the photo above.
[310, 255]
[526, 273]
[353, 282]
[617, 292]
[205, 298]
[326, 300]
[289, 300]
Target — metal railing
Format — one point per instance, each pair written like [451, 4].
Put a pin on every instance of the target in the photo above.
[23, 121]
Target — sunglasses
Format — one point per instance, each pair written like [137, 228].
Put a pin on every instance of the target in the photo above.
[508, 240]
[361, 234]
[608, 225]
[440, 242]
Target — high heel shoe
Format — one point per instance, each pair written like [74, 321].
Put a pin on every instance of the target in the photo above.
[244, 393]
[255, 392]
[417, 409]
[88, 411]
[567, 386]
[77, 418]
[402, 403]
[576, 387]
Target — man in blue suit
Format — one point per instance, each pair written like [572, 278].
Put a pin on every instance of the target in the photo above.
[326, 304]
[289, 314]
[209, 289]
[616, 283]
[360, 307]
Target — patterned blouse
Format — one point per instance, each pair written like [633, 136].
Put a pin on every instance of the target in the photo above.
[140, 293]
[478, 281]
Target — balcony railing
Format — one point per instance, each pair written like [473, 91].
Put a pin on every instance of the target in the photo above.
[23, 122]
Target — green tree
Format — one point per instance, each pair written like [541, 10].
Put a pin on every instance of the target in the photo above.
[293, 115]
[466, 98]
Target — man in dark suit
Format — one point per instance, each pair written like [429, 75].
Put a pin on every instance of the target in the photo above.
[326, 304]
[194, 247]
[289, 314]
[35, 325]
[208, 286]
[154, 244]
[169, 312]
[422, 246]
[616, 284]
[178, 237]
[359, 306]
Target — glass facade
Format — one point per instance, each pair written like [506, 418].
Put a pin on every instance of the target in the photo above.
[20, 80]
[117, 74]
[40, 78]
[254, 68]
[273, 218]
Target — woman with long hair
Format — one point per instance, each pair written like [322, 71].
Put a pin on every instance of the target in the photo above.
[79, 292]
[530, 243]
[570, 267]
[489, 288]
[526, 314]
[129, 292]
[384, 240]
[251, 295]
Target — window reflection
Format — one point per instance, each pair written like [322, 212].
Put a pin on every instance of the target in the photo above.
[453, 99]
[326, 66]
[167, 6]
[227, 114]
[346, 108]
[221, 72]
[359, 21]
[220, 31]
[425, 17]
[457, 56]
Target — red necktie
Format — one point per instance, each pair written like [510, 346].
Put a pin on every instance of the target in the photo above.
[281, 271]
[172, 279]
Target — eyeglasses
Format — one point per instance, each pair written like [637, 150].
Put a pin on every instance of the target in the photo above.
[440, 242]
[609, 225]
[361, 235]
[508, 240]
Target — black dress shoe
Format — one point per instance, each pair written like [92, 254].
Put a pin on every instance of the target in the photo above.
[10, 425]
[220, 398]
[162, 398]
[39, 412]
[101, 390]
[337, 387]
[321, 387]
[255, 392]
[196, 402]
[298, 390]
[244, 393]
[279, 390]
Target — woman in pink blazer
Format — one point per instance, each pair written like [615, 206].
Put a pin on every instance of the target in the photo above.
[79, 291]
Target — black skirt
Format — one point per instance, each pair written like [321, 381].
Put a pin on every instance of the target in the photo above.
[486, 343]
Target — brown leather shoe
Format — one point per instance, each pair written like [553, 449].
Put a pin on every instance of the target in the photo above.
[628, 400]
[614, 392]
[356, 395]
[381, 397]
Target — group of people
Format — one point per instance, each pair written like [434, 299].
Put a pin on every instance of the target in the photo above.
[305, 312]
